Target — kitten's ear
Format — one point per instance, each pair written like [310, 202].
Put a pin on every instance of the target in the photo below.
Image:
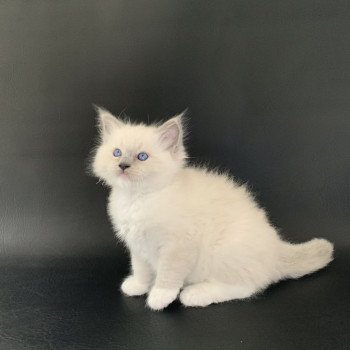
[107, 121]
[171, 132]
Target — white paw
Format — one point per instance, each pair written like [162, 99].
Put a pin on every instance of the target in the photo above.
[133, 287]
[194, 296]
[159, 298]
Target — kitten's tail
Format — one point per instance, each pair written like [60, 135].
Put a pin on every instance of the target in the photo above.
[301, 259]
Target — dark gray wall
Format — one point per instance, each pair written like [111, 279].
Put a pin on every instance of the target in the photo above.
[267, 84]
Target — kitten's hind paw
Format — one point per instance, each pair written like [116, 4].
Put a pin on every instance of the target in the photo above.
[206, 293]
[160, 298]
[196, 295]
[133, 287]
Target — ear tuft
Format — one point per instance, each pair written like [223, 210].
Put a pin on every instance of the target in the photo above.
[107, 121]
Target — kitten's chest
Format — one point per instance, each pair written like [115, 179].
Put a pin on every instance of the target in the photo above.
[132, 218]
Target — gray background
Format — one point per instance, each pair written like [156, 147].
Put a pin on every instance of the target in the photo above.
[267, 84]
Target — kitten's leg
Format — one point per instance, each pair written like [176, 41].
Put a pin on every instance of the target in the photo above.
[139, 282]
[174, 266]
[205, 293]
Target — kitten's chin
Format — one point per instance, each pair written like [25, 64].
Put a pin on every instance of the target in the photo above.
[124, 179]
[152, 181]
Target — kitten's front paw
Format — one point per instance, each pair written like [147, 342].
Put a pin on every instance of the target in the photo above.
[159, 298]
[133, 287]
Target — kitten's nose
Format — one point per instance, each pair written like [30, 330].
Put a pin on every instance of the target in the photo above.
[124, 166]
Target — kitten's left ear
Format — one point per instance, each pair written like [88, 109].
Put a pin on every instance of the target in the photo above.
[171, 132]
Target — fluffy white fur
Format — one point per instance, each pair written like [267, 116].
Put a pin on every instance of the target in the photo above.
[190, 231]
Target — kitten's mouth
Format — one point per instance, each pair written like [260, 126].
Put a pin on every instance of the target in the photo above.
[124, 175]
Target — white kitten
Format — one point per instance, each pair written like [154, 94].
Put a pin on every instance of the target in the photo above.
[189, 230]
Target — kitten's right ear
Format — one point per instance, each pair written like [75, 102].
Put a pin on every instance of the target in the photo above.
[107, 121]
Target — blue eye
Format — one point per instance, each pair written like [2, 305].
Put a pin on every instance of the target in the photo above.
[142, 156]
[117, 152]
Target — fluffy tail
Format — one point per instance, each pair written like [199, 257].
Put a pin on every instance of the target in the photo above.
[301, 259]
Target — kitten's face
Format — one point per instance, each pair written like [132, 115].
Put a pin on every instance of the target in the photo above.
[132, 155]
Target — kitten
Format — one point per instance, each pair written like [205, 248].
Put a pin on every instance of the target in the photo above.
[189, 230]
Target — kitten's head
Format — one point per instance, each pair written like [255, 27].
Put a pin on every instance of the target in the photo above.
[138, 154]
